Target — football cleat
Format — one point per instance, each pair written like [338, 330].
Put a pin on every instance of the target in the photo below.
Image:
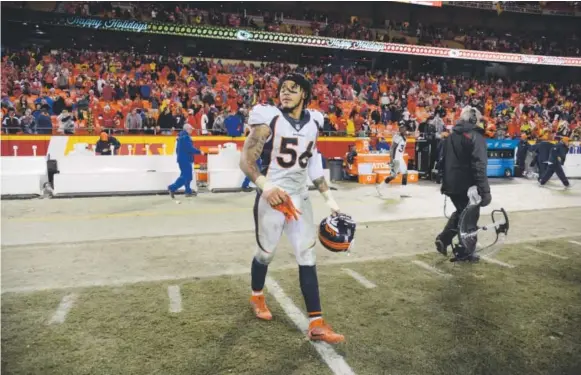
[321, 331]
[259, 307]
[336, 232]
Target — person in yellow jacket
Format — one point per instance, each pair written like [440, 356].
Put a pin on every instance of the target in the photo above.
[350, 127]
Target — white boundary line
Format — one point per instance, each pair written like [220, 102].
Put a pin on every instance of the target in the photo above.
[63, 309]
[243, 270]
[534, 249]
[175, 299]
[360, 278]
[354, 258]
[497, 262]
[432, 269]
[335, 362]
[575, 242]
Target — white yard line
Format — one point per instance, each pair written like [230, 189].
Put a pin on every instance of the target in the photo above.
[335, 362]
[360, 278]
[432, 269]
[243, 270]
[175, 299]
[63, 309]
[539, 251]
[353, 258]
[497, 262]
[575, 242]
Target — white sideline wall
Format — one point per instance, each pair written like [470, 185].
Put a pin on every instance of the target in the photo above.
[572, 165]
[23, 175]
[94, 174]
[86, 174]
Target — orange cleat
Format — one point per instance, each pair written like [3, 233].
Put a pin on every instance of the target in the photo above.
[259, 307]
[321, 331]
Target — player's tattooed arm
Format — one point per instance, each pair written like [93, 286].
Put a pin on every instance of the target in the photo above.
[321, 184]
[252, 149]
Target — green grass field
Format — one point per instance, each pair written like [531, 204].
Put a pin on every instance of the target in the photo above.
[485, 319]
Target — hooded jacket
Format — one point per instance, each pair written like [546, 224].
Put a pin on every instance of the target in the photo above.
[465, 159]
[185, 149]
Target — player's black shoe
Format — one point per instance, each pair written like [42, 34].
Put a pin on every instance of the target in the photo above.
[441, 247]
[171, 194]
[461, 254]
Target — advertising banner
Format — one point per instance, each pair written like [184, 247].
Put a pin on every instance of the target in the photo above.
[305, 40]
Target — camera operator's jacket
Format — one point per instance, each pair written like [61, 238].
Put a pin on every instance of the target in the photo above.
[464, 160]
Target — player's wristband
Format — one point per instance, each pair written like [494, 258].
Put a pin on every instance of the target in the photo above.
[330, 200]
[263, 184]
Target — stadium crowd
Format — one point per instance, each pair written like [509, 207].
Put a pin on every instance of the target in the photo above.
[80, 92]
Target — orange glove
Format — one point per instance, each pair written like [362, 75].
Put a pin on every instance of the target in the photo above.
[288, 209]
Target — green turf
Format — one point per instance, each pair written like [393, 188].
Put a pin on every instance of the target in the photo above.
[131, 331]
[485, 319]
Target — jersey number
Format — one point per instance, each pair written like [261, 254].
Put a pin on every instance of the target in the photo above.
[287, 146]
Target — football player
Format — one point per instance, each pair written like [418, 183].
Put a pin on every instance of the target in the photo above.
[285, 138]
[398, 164]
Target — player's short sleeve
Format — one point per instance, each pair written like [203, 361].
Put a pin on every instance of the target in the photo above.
[317, 118]
[261, 114]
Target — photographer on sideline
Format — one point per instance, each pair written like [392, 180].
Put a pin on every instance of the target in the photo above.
[464, 165]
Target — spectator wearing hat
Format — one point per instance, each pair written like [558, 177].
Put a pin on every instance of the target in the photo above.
[107, 145]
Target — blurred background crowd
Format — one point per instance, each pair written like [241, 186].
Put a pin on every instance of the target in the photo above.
[57, 83]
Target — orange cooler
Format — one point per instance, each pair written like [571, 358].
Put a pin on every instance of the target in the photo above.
[367, 179]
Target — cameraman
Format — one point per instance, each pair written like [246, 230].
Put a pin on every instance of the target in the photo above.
[464, 165]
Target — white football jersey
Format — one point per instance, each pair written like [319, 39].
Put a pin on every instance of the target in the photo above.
[291, 144]
[398, 147]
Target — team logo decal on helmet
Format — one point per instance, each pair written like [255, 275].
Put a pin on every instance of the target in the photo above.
[336, 232]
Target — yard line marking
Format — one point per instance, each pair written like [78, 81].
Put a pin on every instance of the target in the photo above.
[497, 262]
[575, 242]
[534, 249]
[432, 269]
[242, 270]
[63, 309]
[335, 362]
[175, 299]
[362, 280]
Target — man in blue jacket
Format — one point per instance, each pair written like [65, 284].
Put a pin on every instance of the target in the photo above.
[185, 152]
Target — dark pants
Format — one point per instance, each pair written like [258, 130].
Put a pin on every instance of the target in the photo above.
[554, 168]
[542, 169]
[185, 178]
[461, 201]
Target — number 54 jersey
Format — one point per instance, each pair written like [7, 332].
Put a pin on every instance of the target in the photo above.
[289, 148]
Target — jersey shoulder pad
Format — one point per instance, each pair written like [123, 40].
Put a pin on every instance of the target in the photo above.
[262, 114]
[317, 117]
